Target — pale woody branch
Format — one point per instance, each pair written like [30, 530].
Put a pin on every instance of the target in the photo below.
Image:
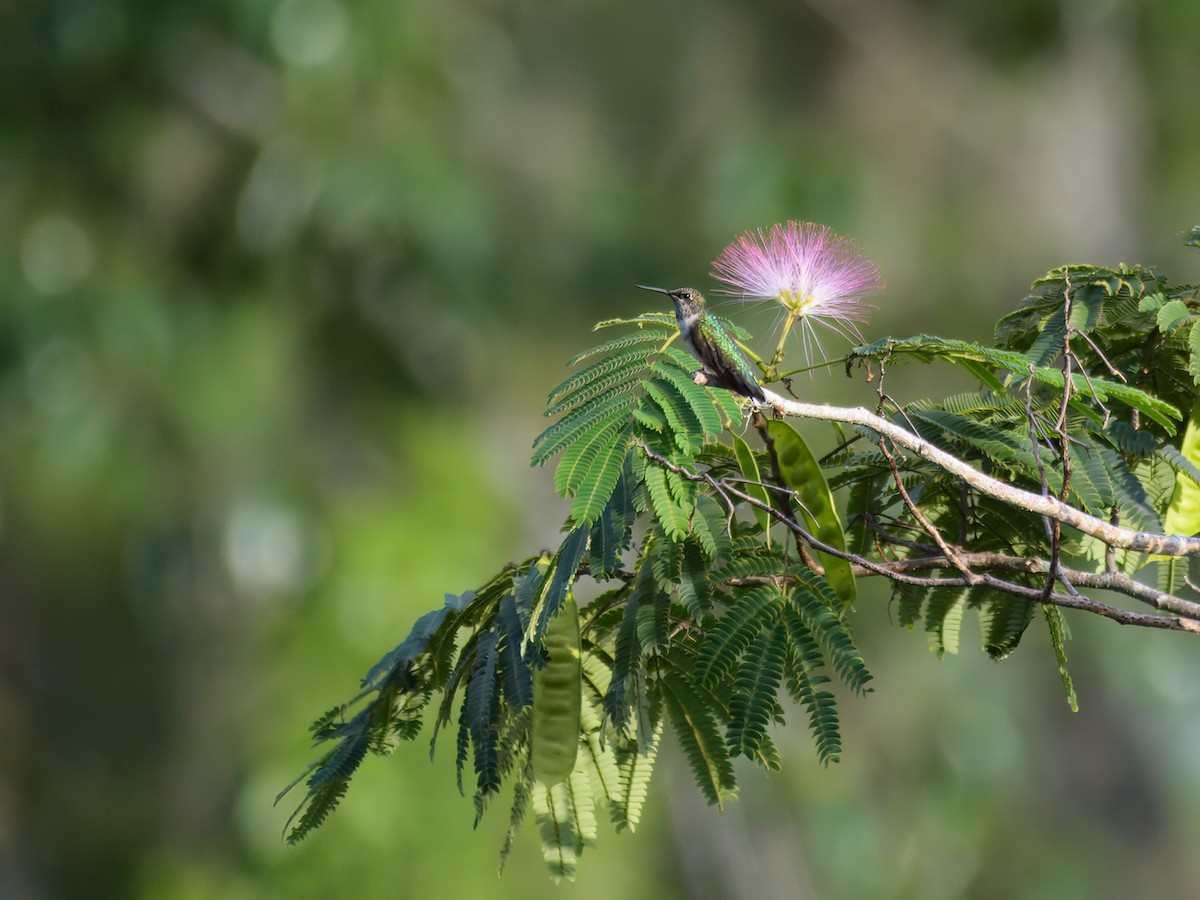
[1186, 613]
[1112, 535]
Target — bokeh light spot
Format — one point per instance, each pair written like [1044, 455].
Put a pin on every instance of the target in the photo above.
[308, 32]
[56, 254]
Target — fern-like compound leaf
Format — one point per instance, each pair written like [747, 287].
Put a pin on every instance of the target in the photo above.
[559, 577]
[635, 765]
[804, 680]
[561, 841]
[696, 728]
[684, 424]
[726, 642]
[482, 709]
[814, 600]
[626, 656]
[517, 682]
[598, 481]
[657, 333]
[943, 620]
[754, 701]
[1059, 634]
[699, 400]
[613, 408]
[522, 790]
[673, 517]
[1003, 620]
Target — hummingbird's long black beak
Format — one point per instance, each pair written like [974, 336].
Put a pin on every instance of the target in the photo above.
[646, 287]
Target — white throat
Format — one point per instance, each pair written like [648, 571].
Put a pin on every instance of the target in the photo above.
[686, 322]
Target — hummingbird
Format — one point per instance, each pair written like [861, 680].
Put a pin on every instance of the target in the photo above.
[725, 365]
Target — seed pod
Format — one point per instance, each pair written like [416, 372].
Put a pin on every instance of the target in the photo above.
[803, 474]
[558, 699]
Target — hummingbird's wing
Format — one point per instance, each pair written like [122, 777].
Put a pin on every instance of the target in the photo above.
[724, 359]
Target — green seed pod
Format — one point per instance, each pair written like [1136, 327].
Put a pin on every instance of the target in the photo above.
[803, 474]
[558, 699]
[1183, 512]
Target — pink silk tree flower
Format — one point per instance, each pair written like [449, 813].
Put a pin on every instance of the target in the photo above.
[815, 274]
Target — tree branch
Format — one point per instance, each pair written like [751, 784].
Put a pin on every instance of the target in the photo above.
[1187, 619]
[1118, 582]
[1112, 535]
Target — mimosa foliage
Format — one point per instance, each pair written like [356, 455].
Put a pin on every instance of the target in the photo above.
[722, 569]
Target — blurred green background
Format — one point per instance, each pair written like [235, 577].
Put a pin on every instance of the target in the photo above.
[282, 287]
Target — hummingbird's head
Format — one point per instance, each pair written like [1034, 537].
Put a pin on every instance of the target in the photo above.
[689, 302]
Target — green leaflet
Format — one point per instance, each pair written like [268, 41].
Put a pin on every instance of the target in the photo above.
[598, 406]
[522, 790]
[578, 422]
[1049, 342]
[423, 633]
[1087, 304]
[801, 473]
[639, 386]
[580, 458]
[928, 347]
[627, 652]
[1004, 448]
[1136, 508]
[909, 598]
[1090, 480]
[691, 581]
[755, 563]
[395, 711]
[327, 785]
[1102, 390]
[607, 376]
[518, 683]
[654, 619]
[612, 531]
[652, 321]
[755, 488]
[597, 754]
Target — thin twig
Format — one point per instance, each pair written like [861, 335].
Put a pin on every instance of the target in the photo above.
[1117, 582]
[928, 526]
